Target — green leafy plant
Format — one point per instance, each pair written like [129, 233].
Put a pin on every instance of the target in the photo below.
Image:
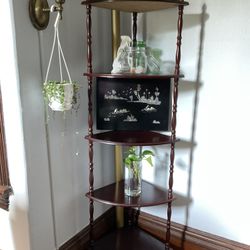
[54, 90]
[133, 157]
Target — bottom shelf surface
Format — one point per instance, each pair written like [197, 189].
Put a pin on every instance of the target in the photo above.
[128, 239]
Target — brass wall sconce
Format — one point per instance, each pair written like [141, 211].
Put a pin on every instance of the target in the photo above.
[39, 12]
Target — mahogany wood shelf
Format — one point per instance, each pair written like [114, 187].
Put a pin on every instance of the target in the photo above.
[128, 238]
[135, 6]
[132, 238]
[113, 194]
[132, 76]
[131, 138]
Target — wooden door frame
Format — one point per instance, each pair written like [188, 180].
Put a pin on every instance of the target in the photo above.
[5, 186]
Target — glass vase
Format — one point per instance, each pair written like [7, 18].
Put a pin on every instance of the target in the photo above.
[137, 60]
[132, 183]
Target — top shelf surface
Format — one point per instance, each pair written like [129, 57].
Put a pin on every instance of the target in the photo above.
[135, 6]
[135, 76]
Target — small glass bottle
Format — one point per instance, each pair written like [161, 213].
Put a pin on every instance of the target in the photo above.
[137, 58]
[153, 63]
[123, 62]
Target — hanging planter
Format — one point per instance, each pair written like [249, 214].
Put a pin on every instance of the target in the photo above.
[60, 95]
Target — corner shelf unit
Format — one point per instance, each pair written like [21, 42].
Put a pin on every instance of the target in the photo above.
[113, 194]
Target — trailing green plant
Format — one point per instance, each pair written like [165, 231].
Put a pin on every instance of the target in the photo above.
[54, 90]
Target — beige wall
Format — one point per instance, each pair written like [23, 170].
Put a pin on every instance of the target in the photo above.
[219, 161]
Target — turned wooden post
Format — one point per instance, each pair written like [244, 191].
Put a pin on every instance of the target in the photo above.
[134, 28]
[173, 123]
[90, 122]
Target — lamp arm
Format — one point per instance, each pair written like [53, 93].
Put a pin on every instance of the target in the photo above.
[39, 12]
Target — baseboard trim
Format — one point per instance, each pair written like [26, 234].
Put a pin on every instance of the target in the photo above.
[103, 224]
[182, 237]
[186, 238]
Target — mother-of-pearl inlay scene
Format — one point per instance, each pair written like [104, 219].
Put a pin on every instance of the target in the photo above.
[133, 104]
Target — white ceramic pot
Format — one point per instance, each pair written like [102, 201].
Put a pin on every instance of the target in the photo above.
[55, 102]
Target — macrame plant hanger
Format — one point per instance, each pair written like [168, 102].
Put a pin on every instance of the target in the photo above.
[60, 94]
[60, 51]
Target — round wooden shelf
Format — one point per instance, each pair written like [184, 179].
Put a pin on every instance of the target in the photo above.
[135, 6]
[114, 195]
[130, 138]
[132, 76]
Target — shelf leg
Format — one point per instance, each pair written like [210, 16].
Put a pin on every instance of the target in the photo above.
[134, 28]
[118, 150]
[115, 32]
[90, 123]
[173, 123]
[118, 177]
